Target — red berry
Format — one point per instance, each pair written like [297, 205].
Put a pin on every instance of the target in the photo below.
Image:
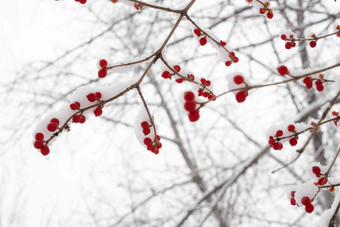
[197, 32]
[292, 193]
[288, 45]
[55, 121]
[270, 15]
[45, 150]
[279, 133]
[146, 131]
[322, 181]
[235, 59]
[282, 70]
[312, 44]
[223, 43]
[76, 119]
[166, 75]
[102, 73]
[203, 41]
[307, 80]
[262, 10]
[98, 111]
[73, 106]
[293, 44]
[159, 145]
[305, 200]
[39, 136]
[316, 170]
[191, 77]
[241, 96]
[82, 119]
[309, 208]
[283, 37]
[291, 128]
[145, 124]
[177, 68]
[91, 97]
[293, 141]
[102, 63]
[238, 79]
[148, 141]
[38, 144]
[292, 201]
[179, 80]
[51, 127]
[228, 63]
[309, 85]
[189, 96]
[158, 138]
[320, 88]
[190, 105]
[98, 95]
[82, 1]
[194, 115]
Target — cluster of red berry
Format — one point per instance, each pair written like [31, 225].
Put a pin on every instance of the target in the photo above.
[243, 94]
[317, 171]
[190, 106]
[337, 29]
[81, 1]
[269, 11]
[202, 37]
[290, 43]
[168, 75]
[274, 140]
[309, 208]
[233, 58]
[103, 68]
[151, 145]
[308, 81]
[204, 91]
[40, 144]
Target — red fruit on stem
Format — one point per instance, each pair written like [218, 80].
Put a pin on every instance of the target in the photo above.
[223, 43]
[82, 119]
[45, 150]
[82, 1]
[309, 208]
[283, 37]
[228, 63]
[194, 115]
[148, 141]
[102, 63]
[307, 80]
[312, 44]
[279, 133]
[166, 75]
[146, 131]
[145, 124]
[293, 141]
[190, 105]
[241, 96]
[98, 111]
[38, 144]
[189, 96]
[55, 121]
[305, 200]
[177, 68]
[238, 79]
[291, 128]
[39, 136]
[288, 45]
[91, 97]
[316, 170]
[322, 181]
[98, 95]
[197, 32]
[282, 70]
[203, 41]
[51, 127]
[270, 15]
[76, 119]
[292, 202]
[102, 73]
